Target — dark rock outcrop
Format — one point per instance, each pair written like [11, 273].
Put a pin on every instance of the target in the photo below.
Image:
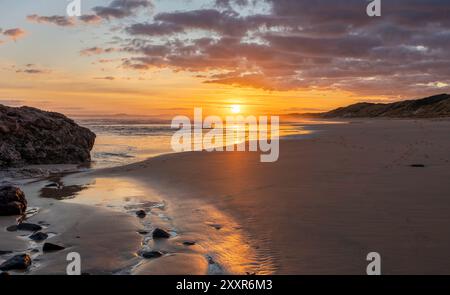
[18, 262]
[12, 201]
[437, 106]
[32, 136]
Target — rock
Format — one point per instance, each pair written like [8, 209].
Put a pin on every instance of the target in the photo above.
[141, 214]
[48, 247]
[143, 232]
[32, 136]
[29, 226]
[18, 262]
[160, 234]
[25, 226]
[418, 165]
[52, 185]
[151, 254]
[189, 243]
[5, 252]
[39, 236]
[12, 200]
[216, 226]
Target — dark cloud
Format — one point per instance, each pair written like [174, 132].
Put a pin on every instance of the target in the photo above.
[121, 8]
[327, 44]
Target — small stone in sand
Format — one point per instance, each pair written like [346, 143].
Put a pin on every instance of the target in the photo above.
[189, 243]
[160, 234]
[24, 226]
[20, 262]
[216, 226]
[39, 236]
[143, 232]
[53, 184]
[141, 214]
[48, 247]
[417, 165]
[151, 254]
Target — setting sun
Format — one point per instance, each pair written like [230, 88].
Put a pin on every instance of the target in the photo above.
[236, 109]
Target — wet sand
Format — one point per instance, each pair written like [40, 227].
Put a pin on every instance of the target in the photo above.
[330, 199]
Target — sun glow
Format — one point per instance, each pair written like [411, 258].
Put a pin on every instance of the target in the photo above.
[236, 109]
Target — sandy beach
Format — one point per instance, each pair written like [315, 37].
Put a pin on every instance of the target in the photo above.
[330, 199]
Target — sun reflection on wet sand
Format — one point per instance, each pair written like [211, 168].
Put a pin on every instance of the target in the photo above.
[218, 238]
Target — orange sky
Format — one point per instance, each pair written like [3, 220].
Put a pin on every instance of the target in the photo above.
[164, 58]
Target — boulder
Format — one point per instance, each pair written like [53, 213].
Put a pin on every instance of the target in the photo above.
[32, 136]
[12, 201]
[18, 262]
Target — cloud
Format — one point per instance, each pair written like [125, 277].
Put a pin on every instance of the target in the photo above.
[110, 78]
[14, 33]
[96, 51]
[90, 18]
[296, 45]
[58, 20]
[32, 69]
[121, 8]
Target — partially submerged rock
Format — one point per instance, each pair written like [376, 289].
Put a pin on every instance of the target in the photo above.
[32, 136]
[38, 237]
[141, 214]
[159, 233]
[18, 262]
[151, 254]
[12, 201]
[25, 226]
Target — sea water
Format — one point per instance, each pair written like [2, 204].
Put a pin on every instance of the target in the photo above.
[124, 141]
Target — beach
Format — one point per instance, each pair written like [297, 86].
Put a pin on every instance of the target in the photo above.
[332, 197]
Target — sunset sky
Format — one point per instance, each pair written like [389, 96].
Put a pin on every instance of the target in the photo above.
[165, 57]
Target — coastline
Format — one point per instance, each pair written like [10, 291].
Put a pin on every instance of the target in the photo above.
[244, 216]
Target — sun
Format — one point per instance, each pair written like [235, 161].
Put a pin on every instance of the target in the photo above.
[235, 109]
